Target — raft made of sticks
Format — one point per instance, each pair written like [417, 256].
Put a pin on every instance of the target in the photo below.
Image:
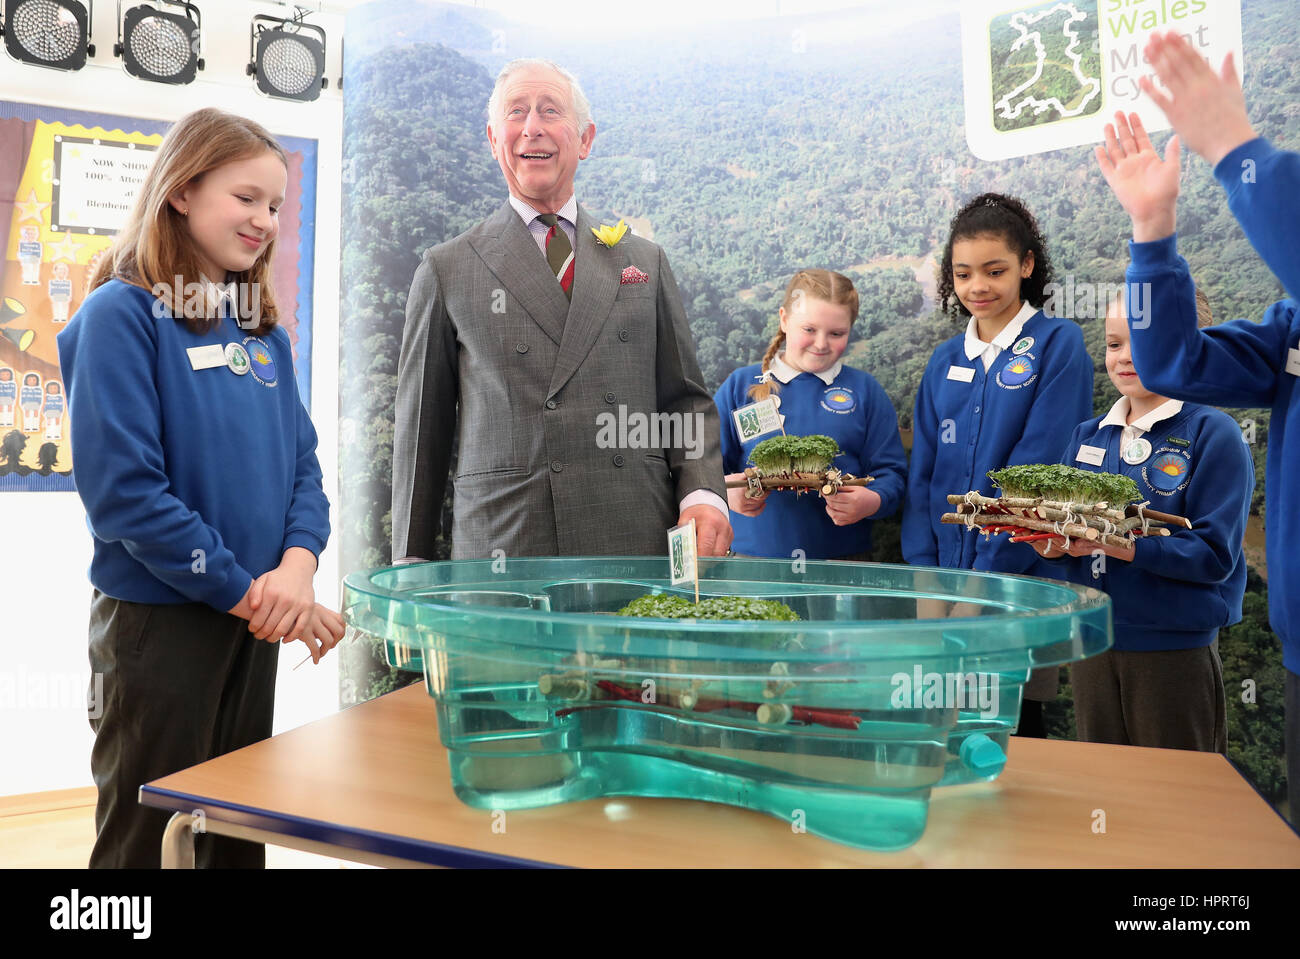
[827, 482]
[1034, 519]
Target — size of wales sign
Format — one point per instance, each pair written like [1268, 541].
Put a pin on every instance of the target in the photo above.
[1051, 75]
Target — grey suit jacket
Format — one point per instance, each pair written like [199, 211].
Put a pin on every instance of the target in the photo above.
[492, 341]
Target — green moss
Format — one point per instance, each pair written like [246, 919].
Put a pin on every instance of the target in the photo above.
[1065, 483]
[802, 454]
[717, 607]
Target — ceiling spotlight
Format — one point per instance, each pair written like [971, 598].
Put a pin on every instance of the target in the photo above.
[48, 33]
[157, 45]
[288, 57]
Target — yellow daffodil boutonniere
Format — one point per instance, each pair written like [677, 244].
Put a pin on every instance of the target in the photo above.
[610, 235]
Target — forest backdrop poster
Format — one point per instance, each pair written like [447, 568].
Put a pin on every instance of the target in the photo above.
[748, 151]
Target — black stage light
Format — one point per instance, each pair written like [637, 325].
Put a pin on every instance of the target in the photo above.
[48, 33]
[287, 58]
[157, 45]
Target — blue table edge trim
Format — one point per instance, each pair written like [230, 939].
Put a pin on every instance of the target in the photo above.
[380, 843]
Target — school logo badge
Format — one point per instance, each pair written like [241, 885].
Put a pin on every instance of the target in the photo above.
[1019, 371]
[262, 365]
[1023, 345]
[838, 399]
[1168, 472]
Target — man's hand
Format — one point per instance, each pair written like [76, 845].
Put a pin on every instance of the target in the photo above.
[282, 599]
[851, 504]
[1145, 185]
[1207, 111]
[712, 531]
[739, 502]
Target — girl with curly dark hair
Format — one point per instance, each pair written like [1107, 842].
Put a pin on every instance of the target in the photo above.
[1006, 391]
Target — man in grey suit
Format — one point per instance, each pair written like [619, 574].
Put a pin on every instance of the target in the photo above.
[585, 428]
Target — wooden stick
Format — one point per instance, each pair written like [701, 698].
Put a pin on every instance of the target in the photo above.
[799, 481]
[1021, 502]
[1073, 530]
[1170, 518]
[1043, 511]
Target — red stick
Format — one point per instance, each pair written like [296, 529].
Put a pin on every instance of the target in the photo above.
[834, 718]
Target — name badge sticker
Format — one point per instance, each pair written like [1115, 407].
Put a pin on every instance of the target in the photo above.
[962, 374]
[206, 357]
[757, 418]
[1293, 362]
[1092, 455]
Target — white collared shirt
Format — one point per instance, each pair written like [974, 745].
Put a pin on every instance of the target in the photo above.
[784, 372]
[1118, 416]
[568, 215]
[988, 352]
[219, 295]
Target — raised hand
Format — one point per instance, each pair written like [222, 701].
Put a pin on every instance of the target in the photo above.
[1145, 185]
[1207, 110]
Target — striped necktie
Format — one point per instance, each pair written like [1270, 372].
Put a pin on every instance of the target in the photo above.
[559, 252]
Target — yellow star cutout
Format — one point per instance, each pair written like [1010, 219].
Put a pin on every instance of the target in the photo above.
[65, 249]
[31, 208]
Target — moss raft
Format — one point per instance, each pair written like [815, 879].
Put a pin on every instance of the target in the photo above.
[1064, 484]
[659, 606]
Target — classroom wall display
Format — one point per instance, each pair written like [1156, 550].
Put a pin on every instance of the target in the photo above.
[833, 139]
[1049, 75]
[67, 182]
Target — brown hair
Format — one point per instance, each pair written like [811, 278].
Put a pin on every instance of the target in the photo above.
[1204, 315]
[824, 285]
[155, 247]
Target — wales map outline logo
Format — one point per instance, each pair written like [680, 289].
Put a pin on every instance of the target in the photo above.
[1045, 64]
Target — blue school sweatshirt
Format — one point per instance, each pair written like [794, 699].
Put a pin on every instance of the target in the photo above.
[853, 410]
[1241, 363]
[967, 422]
[195, 482]
[1178, 589]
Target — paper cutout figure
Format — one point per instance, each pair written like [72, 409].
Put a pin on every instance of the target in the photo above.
[30, 401]
[60, 287]
[52, 410]
[29, 255]
[8, 396]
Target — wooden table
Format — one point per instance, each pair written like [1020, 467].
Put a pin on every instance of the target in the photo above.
[371, 784]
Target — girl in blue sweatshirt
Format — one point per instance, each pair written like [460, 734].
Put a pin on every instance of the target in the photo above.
[1161, 684]
[817, 394]
[1241, 363]
[196, 462]
[1006, 391]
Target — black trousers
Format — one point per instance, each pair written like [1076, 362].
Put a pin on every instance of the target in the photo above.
[1293, 745]
[1170, 699]
[181, 685]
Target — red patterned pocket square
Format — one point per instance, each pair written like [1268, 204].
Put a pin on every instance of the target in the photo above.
[631, 274]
